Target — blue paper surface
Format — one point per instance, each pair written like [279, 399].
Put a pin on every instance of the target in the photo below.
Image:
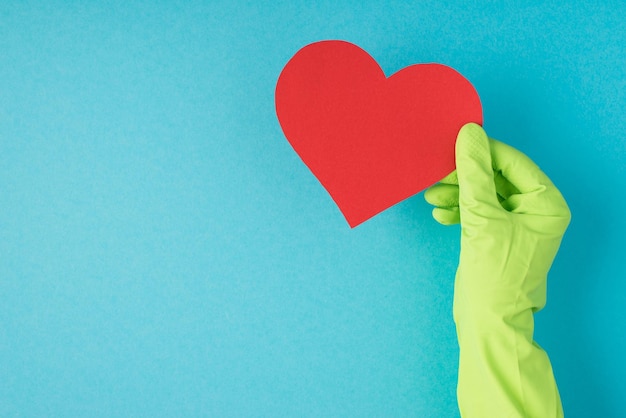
[164, 252]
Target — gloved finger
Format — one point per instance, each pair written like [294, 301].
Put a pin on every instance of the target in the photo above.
[535, 191]
[450, 179]
[447, 216]
[504, 187]
[445, 194]
[442, 195]
[477, 189]
[517, 168]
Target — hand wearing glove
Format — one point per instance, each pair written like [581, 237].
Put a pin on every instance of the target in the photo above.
[512, 221]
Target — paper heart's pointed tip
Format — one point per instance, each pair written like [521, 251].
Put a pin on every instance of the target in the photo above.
[354, 223]
[372, 141]
[352, 215]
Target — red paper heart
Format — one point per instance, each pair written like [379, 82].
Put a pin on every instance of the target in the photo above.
[372, 141]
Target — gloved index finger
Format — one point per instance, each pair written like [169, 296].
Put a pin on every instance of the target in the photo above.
[443, 195]
[451, 178]
[518, 168]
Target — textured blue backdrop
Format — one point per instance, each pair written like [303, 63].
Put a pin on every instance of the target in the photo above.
[164, 252]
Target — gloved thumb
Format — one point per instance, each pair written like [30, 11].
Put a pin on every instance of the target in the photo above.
[477, 189]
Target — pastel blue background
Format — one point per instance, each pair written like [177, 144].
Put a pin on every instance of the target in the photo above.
[164, 252]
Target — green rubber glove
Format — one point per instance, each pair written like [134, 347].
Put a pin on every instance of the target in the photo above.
[512, 221]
